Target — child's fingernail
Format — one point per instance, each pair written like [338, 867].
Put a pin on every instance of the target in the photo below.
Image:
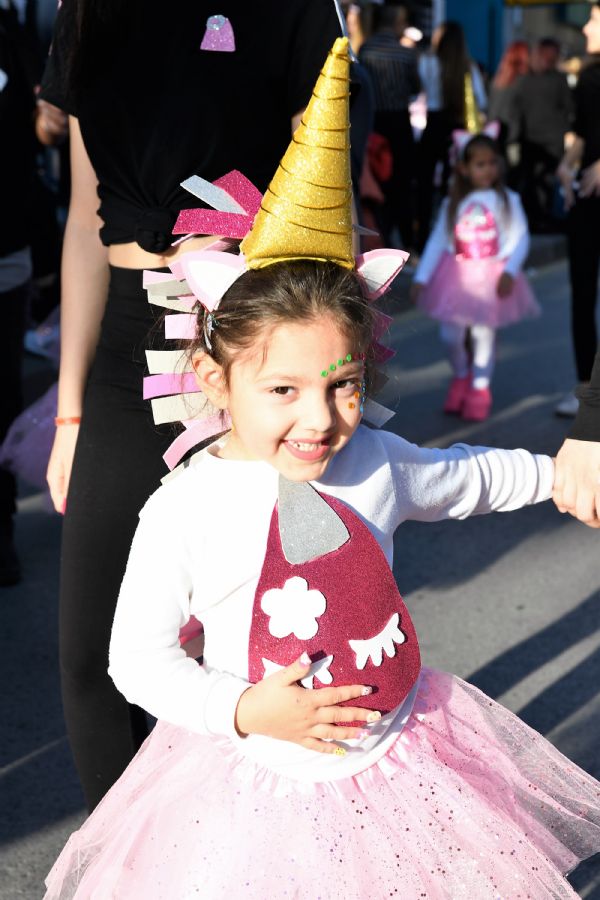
[339, 751]
[63, 506]
[366, 691]
[305, 659]
[374, 716]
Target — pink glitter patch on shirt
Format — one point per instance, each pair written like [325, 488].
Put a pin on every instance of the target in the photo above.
[476, 233]
[218, 35]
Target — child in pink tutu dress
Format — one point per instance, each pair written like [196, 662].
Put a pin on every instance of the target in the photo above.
[469, 277]
[309, 754]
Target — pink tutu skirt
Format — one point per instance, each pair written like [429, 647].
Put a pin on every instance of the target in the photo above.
[464, 291]
[468, 804]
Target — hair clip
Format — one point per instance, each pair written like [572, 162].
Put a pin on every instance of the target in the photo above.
[210, 323]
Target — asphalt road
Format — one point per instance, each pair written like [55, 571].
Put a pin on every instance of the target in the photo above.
[509, 601]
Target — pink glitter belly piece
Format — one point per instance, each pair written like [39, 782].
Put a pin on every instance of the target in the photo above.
[342, 608]
[218, 35]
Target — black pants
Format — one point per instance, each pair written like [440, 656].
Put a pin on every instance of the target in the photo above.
[13, 307]
[117, 466]
[584, 259]
[398, 205]
[433, 147]
[538, 181]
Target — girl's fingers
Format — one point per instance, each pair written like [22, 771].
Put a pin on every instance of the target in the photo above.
[324, 746]
[336, 733]
[333, 696]
[333, 714]
[295, 672]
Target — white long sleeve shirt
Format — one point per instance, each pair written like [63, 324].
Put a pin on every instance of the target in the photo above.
[199, 550]
[512, 232]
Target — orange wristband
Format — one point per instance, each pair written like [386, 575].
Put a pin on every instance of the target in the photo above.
[67, 420]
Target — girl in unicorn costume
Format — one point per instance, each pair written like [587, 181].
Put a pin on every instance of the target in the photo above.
[469, 277]
[309, 754]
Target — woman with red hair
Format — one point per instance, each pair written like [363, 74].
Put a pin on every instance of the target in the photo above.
[514, 62]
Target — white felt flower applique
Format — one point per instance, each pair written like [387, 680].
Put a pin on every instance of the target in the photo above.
[374, 647]
[293, 609]
[319, 670]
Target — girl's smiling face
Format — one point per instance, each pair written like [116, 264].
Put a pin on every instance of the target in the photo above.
[284, 411]
[481, 169]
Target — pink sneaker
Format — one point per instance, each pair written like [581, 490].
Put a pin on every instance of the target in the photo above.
[477, 405]
[457, 392]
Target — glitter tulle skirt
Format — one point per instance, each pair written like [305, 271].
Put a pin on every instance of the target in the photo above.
[468, 803]
[464, 291]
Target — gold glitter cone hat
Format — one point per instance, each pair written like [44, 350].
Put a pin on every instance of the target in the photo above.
[472, 115]
[306, 212]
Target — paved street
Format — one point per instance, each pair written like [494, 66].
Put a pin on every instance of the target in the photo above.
[510, 601]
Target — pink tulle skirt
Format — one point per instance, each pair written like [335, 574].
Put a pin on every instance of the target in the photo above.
[468, 804]
[464, 291]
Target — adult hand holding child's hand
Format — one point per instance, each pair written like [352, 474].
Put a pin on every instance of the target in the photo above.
[279, 707]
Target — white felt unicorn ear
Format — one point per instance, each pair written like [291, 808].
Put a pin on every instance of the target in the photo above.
[210, 273]
[460, 139]
[378, 268]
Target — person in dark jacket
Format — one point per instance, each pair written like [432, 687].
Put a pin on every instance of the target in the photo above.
[17, 152]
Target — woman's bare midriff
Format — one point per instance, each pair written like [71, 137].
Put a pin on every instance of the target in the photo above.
[131, 256]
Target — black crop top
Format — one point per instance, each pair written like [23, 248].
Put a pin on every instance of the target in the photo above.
[163, 109]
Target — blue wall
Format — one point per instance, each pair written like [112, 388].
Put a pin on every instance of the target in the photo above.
[482, 21]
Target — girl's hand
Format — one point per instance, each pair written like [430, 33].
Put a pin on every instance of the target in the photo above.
[59, 466]
[505, 285]
[415, 290]
[279, 707]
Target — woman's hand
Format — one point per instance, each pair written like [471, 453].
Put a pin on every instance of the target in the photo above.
[59, 466]
[566, 177]
[51, 124]
[590, 181]
[505, 285]
[279, 707]
[577, 481]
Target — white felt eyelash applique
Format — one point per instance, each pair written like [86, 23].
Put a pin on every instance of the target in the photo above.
[318, 670]
[374, 647]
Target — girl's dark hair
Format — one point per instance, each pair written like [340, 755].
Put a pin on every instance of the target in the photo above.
[455, 63]
[283, 293]
[461, 186]
[100, 25]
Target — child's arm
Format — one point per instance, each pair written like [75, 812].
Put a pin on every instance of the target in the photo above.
[517, 241]
[437, 242]
[150, 669]
[516, 246]
[146, 661]
[462, 481]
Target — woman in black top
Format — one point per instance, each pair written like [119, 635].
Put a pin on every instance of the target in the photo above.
[148, 107]
[583, 160]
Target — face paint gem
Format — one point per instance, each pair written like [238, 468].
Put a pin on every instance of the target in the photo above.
[349, 357]
[332, 367]
[351, 405]
[324, 373]
[340, 362]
